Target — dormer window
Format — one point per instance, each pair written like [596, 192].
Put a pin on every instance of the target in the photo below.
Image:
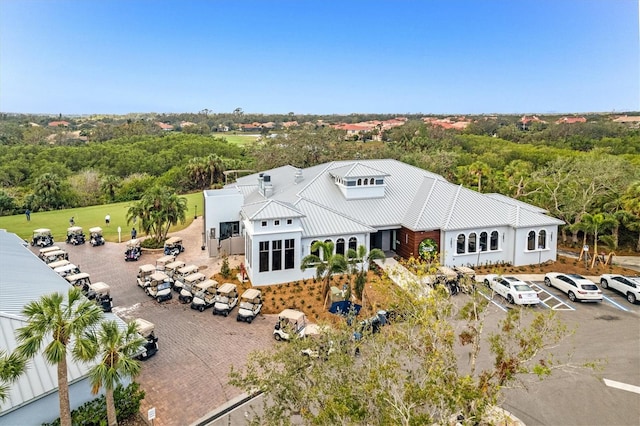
[357, 181]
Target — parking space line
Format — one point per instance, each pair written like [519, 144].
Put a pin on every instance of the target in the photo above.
[560, 305]
[614, 303]
[492, 301]
[623, 386]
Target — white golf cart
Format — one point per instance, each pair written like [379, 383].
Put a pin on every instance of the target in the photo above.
[95, 236]
[55, 255]
[66, 269]
[43, 251]
[144, 272]
[205, 295]
[80, 280]
[290, 322]
[189, 286]
[146, 330]
[42, 237]
[250, 305]
[162, 262]
[181, 274]
[171, 269]
[101, 292]
[226, 299]
[159, 286]
[133, 251]
[75, 235]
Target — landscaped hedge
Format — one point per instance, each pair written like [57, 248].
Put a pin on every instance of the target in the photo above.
[94, 413]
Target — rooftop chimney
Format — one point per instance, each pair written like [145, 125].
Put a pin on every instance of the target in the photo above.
[297, 178]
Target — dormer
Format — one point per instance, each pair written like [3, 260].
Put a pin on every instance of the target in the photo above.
[357, 181]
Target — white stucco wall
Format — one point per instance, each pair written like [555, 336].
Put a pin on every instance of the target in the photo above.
[503, 254]
[221, 205]
[529, 257]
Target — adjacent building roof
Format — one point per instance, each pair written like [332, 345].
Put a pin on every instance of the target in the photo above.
[413, 197]
[26, 278]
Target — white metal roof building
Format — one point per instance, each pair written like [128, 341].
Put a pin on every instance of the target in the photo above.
[33, 399]
[383, 203]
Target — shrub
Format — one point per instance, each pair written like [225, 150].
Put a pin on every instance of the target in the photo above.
[94, 412]
[151, 243]
[225, 270]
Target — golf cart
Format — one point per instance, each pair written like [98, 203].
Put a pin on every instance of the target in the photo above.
[67, 269]
[43, 251]
[159, 287]
[466, 278]
[144, 273]
[205, 295]
[145, 328]
[75, 235]
[42, 238]
[95, 236]
[162, 262]
[80, 280]
[250, 305]
[58, 263]
[226, 299]
[181, 274]
[54, 256]
[447, 278]
[290, 322]
[133, 251]
[189, 286]
[102, 294]
[173, 246]
[171, 269]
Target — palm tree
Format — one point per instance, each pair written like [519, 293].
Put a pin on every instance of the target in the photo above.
[11, 367]
[592, 224]
[61, 321]
[330, 263]
[631, 203]
[158, 209]
[360, 257]
[47, 190]
[109, 186]
[215, 167]
[196, 170]
[116, 350]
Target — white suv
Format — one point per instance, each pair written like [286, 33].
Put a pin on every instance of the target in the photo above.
[629, 286]
[577, 287]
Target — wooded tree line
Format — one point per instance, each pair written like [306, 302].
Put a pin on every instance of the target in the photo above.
[569, 169]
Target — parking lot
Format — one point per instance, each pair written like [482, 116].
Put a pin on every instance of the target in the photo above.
[188, 377]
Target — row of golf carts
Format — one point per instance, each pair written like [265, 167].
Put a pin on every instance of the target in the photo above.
[195, 288]
[58, 260]
[42, 237]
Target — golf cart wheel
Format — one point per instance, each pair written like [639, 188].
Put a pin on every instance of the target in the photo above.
[277, 337]
[201, 308]
[249, 320]
[238, 318]
[226, 313]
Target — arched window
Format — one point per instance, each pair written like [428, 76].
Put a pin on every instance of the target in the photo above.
[366, 182]
[542, 239]
[460, 244]
[353, 243]
[359, 182]
[483, 241]
[494, 241]
[471, 248]
[316, 252]
[340, 246]
[371, 181]
[531, 240]
[327, 241]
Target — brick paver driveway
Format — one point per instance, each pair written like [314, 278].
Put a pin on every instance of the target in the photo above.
[188, 376]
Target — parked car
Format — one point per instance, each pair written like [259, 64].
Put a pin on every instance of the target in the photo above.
[146, 330]
[512, 289]
[205, 295]
[577, 287]
[75, 235]
[226, 299]
[290, 322]
[43, 251]
[42, 238]
[173, 246]
[250, 305]
[162, 262]
[54, 256]
[95, 236]
[189, 286]
[101, 293]
[133, 251]
[629, 286]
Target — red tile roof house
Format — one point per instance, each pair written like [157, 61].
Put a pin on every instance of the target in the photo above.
[571, 120]
[524, 121]
[164, 126]
[59, 124]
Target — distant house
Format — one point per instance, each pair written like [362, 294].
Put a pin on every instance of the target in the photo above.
[525, 122]
[59, 124]
[187, 124]
[274, 217]
[251, 127]
[164, 126]
[571, 120]
[33, 399]
[457, 123]
[633, 120]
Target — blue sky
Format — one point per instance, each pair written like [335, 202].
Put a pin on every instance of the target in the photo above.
[319, 57]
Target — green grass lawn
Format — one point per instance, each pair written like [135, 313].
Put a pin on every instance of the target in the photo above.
[87, 217]
[237, 139]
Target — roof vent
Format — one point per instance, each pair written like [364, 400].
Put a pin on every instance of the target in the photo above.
[297, 178]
